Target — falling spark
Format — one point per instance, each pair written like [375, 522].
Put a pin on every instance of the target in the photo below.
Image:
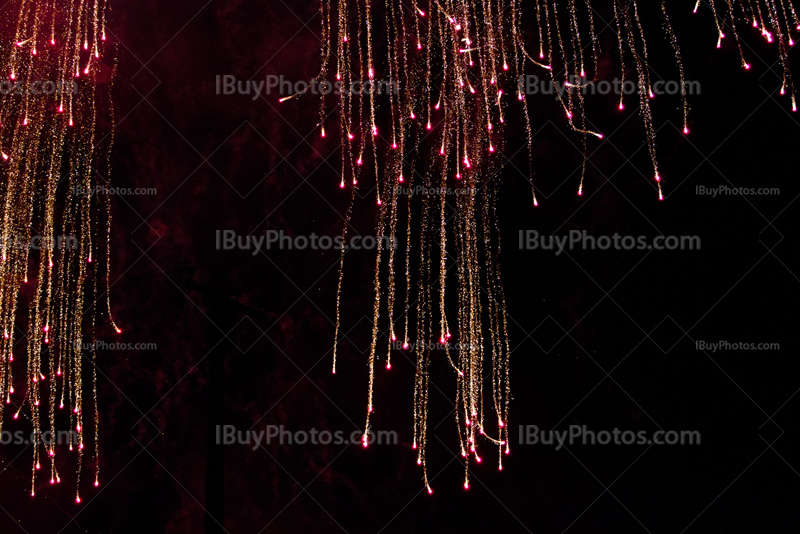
[67, 280]
[474, 51]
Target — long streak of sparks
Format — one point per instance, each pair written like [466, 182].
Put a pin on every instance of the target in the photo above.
[450, 67]
[55, 232]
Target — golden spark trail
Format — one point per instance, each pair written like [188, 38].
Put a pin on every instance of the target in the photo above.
[52, 220]
[464, 57]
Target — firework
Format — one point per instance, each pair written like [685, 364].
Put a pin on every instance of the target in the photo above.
[458, 64]
[55, 232]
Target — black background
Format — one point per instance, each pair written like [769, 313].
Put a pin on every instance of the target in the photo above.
[600, 338]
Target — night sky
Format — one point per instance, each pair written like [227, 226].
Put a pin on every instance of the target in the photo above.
[606, 339]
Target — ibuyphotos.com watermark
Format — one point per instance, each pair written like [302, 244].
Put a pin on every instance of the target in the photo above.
[279, 435]
[723, 345]
[532, 85]
[421, 189]
[116, 345]
[725, 190]
[582, 435]
[279, 240]
[38, 87]
[442, 344]
[106, 190]
[47, 437]
[278, 85]
[37, 242]
[581, 240]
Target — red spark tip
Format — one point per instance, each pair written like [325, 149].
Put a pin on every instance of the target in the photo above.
[77, 500]
[686, 131]
[466, 485]
[747, 66]
[388, 366]
[430, 491]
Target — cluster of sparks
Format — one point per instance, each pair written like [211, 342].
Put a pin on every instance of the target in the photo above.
[457, 64]
[48, 172]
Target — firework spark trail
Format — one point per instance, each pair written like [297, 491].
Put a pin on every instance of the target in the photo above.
[48, 136]
[473, 52]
